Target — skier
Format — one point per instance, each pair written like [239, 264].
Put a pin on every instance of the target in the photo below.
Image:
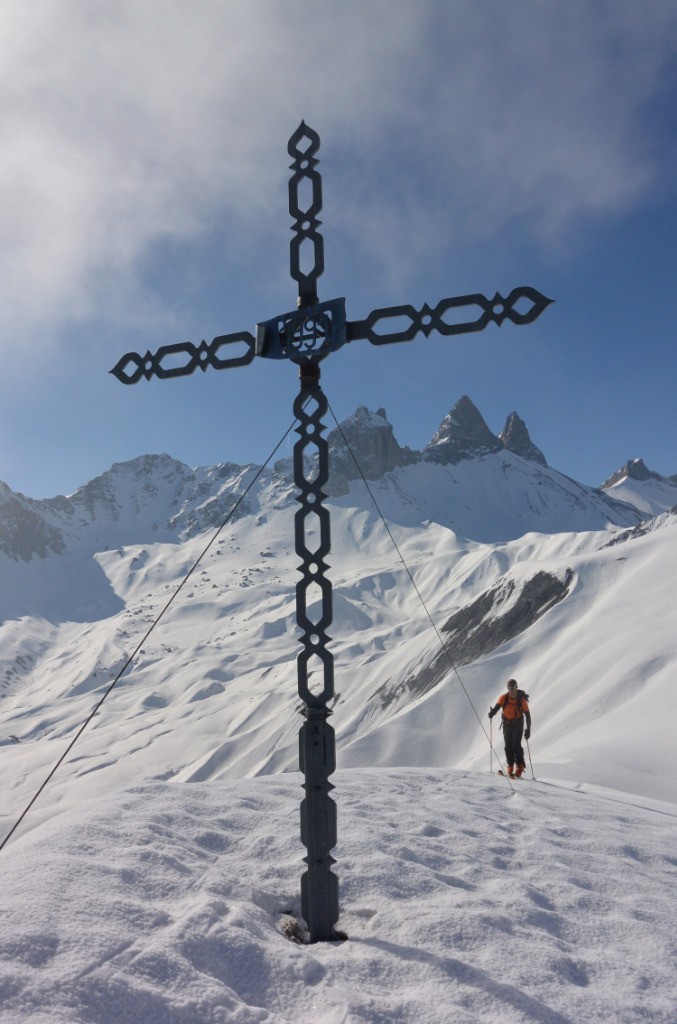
[515, 707]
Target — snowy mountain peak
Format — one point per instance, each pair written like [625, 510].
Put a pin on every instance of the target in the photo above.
[155, 498]
[648, 491]
[636, 469]
[23, 530]
[462, 434]
[148, 499]
[515, 438]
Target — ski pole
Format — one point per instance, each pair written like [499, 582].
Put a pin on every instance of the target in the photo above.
[491, 746]
[530, 764]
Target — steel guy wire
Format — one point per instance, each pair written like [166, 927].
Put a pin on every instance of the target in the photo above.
[416, 588]
[143, 640]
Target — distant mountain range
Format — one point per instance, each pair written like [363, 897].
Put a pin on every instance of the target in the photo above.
[155, 497]
[524, 571]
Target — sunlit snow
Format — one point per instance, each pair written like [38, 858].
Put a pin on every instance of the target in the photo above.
[130, 895]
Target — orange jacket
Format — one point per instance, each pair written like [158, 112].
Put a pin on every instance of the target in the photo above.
[508, 704]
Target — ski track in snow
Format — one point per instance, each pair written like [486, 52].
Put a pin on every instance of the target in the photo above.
[166, 904]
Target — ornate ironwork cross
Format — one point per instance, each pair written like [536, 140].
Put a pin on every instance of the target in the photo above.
[306, 336]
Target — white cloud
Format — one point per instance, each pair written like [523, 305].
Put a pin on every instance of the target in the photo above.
[127, 123]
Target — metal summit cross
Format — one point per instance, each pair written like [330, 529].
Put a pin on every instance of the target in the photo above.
[307, 335]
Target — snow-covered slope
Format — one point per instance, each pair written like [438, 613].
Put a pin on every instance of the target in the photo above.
[462, 901]
[649, 496]
[648, 491]
[168, 888]
[512, 558]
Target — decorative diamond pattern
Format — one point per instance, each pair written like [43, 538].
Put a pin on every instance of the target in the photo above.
[132, 367]
[306, 223]
[426, 320]
[306, 336]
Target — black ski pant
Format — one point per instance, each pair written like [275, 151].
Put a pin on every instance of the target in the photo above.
[512, 737]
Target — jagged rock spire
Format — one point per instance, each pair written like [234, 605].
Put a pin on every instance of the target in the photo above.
[462, 434]
[515, 438]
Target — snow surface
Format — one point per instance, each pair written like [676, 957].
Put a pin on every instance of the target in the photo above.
[155, 878]
[463, 900]
[212, 693]
[650, 496]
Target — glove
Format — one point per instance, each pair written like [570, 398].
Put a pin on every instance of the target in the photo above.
[492, 712]
[527, 734]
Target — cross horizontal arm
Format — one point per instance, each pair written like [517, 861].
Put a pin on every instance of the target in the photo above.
[184, 358]
[377, 328]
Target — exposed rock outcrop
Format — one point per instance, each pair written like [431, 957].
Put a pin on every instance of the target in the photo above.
[481, 627]
[23, 531]
[515, 438]
[463, 434]
[636, 469]
[371, 441]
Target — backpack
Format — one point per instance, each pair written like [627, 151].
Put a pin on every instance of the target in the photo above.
[521, 695]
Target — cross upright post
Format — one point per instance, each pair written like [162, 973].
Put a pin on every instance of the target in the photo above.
[306, 336]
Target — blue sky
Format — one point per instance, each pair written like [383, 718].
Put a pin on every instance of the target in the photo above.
[466, 146]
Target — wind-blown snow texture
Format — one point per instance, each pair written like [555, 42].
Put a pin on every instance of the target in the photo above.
[462, 902]
[462, 899]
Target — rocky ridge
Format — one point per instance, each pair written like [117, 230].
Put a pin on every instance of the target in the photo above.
[515, 437]
[155, 498]
[367, 439]
[636, 469]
